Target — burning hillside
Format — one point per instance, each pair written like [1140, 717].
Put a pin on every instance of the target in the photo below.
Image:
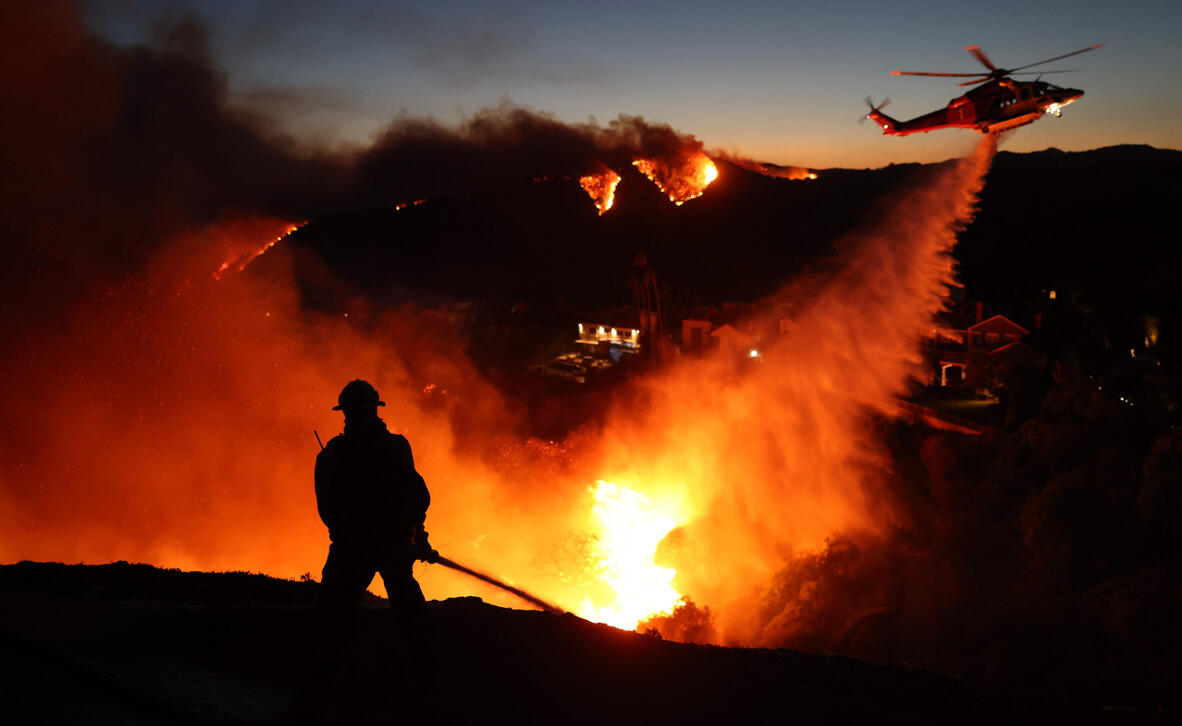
[683, 179]
[601, 187]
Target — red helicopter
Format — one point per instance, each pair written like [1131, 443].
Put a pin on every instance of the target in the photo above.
[999, 104]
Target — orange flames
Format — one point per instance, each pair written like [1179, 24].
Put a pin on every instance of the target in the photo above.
[242, 259]
[766, 462]
[601, 187]
[628, 527]
[190, 445]
[775, 171]
[681, 180]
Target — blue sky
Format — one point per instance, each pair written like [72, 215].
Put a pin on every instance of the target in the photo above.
[778, 81]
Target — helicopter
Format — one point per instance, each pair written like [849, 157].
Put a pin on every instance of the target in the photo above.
[1000, 103]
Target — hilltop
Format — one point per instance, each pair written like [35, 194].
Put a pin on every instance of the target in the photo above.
[131, 644]
[1092, 222]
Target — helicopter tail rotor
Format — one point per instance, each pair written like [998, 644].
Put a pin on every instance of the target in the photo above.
[873, 109]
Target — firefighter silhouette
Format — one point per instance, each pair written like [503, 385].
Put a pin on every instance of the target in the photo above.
[374, 504]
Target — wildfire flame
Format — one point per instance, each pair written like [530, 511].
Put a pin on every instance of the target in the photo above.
[601, 187]
[683, 180]
[246, 258]
[629, 528]
[775, 171]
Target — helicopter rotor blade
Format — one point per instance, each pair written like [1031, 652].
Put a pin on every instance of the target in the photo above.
[925, 73]
[1041, 73]
[1059, 57]
[980, 55]
[975, 81]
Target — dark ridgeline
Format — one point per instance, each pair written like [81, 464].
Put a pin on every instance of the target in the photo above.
[541, 241]
[1097, 223]
[1102, 223]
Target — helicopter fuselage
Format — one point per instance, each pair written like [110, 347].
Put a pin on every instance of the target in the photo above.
[995, 106]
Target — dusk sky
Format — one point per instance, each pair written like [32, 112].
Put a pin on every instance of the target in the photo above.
[776, 81]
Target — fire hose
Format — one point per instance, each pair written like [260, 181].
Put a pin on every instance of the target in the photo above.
[497, 583]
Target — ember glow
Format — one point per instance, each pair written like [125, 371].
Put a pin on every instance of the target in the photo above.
[601, 187]
[681, 179]
[628, 529]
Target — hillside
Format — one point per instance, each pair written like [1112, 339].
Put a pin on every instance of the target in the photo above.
[1046, 219]
[1098, 223]
[131, 644]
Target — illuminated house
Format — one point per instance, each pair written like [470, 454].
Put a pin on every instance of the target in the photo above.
[994, 333]
[954, 349]
[607, 341]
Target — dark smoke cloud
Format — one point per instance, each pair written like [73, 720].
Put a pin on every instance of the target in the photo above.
[423, 157]
[107, 152]
[110, 151]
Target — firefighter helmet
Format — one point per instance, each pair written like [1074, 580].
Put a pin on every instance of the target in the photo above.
[358, 394]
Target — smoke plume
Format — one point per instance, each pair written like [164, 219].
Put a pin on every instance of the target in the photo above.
[108, 152]
[416, 158]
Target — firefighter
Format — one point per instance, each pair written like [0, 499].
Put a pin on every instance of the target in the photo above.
[374, 504]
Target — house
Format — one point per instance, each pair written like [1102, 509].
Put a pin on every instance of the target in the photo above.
[733, 340]
[994, 332]
[738, 328]
[607, 341]
[695, 333]
[955, 349]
